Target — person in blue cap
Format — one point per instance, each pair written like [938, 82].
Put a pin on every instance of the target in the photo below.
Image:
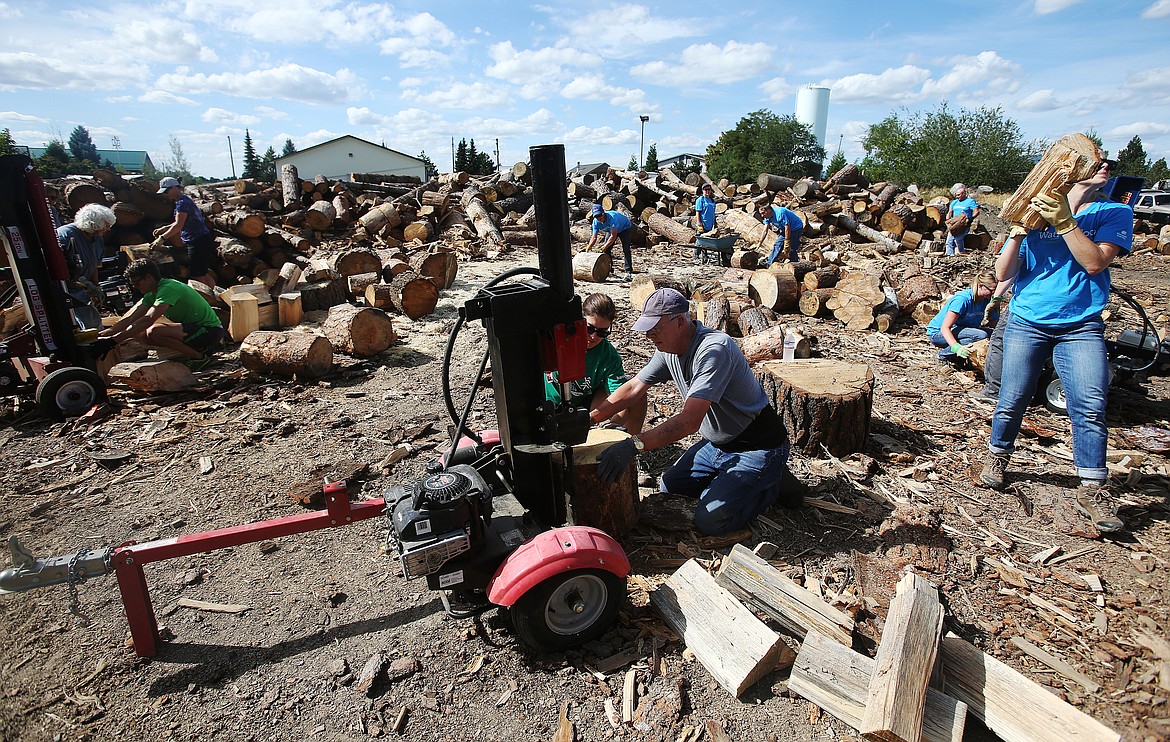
[615, 226]
[789, 225]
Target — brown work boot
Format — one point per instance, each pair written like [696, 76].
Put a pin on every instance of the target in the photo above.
[1096, 502]
[993, 470]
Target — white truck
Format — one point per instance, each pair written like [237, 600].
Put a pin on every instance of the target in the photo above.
[1153, 206]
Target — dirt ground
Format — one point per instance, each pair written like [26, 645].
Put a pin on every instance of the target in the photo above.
[321, 604]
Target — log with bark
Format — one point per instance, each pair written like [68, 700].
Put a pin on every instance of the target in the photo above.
[717, 314]
[594, 267]
[422, 230]
[409, 294]
[358, 331]
[752, 321]
[670, 229]
[644, 285]
[825, 277]
[821, 401]
[745, 259]
[1071, 158]
[483, 222]
[287, 353]
[885, 245]
[240, 222]
[610, 506]
[768, 345]
[381, 217]
[915, 290]
[152, 376]
[320, 215]
[322, 294]
[440, 266]
[775, 290]
[356, 261]
[356, 284]
[814, 302]
[773, 183]
[290, 184]
[858, 295]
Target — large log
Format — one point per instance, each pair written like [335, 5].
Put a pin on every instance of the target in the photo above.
[592, 266]
[356, 261]
[152, 376]
[290, 184]
[410, 294]
[727, 639]
[440, 266]
[670, 229]
[482, 221]
[320, 215]
[610, 506]
[240, 222]
[821, 401]
[287, 353]
[775, 290]
[749, 228]
[382, 216]
[752, 321]
[1069, 159]
[643, 285]
[822, 278]
[768, 345]
[904, 663]
[884, 243]
[773, 183]
[82, 193]
[836, 678]
[915, 290]
[322, 294]
[358, 331]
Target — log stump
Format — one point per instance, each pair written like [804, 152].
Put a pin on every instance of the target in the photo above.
[409, 294]
[287, 353]
[821, 401]
[594, 267]
[775, 290]
[644, 285]
[611, 507]
[440, 266]
[813, 303]
[358, 331]
[152, 376]
[357, 261]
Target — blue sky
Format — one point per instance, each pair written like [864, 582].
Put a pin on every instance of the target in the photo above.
[415, 74]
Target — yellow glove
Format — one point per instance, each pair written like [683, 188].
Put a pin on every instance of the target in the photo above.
[1017, 231]
[1055, 211]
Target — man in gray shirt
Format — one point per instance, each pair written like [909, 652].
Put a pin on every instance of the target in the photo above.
[737, 469]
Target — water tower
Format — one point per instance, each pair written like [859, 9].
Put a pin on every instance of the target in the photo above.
[812, 109]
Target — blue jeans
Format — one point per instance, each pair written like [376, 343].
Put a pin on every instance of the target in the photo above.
[965, 336]
[778, 247]
[733, 488]
[993, 364]
[955, 243]
[1078, 352]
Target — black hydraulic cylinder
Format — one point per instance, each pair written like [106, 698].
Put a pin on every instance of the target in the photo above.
[552, 217]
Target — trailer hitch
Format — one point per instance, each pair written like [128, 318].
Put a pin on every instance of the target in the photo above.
[28, 573]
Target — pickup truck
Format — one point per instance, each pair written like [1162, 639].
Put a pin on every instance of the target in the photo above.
[1153, 206]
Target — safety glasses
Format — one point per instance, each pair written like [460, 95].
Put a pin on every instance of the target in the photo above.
[597, 330]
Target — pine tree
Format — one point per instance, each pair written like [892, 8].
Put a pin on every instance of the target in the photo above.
[652, 158]
[837, 163]
[251, 160]
[633, 163]
[7, 144]
[472, 159]
[268, 165]
[289, 148]
[1132, 160]
[1158, 171]
[461, 156]
[54, 162]
[82, 146]
[430, 170]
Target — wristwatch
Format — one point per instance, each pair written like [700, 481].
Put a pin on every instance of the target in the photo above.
[638, 444]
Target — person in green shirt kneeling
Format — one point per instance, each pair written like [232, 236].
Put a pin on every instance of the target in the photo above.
[604, 371]
[197, 330]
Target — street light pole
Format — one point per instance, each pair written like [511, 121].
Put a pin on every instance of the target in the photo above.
[642, 145]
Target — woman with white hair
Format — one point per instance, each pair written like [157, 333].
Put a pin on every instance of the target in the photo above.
[84, 245]
[961, 205]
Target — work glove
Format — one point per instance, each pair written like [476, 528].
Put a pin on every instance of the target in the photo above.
[960, 350]
[614, 460]
[1055, 210]
[1017, 230]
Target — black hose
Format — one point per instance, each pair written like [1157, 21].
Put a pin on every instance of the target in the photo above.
[1147, 328]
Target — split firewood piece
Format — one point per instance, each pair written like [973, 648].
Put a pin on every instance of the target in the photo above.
[594, 267]
[1069, 159]
[1011, 705]
[904, 663]
[610, 506]
[799, 610]
[289, 311]
[287, 353]
[290, 276]
[245, 317]
[775, 290]
[439, 265]
[752, 321]
[836, 679]
[152, 376]
[821, 401]
[358, 331]
[736, 647]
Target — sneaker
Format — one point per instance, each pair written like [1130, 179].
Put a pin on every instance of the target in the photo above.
[200, 363]
[628, 277]
[982, 396]
[1096, 502]
[993, 470]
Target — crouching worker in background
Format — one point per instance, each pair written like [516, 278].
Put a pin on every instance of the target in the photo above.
[197, 330]
[740, 467]
[960, 322]
[604, 371]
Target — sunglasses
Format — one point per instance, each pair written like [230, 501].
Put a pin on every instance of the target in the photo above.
[1111, 164]
[597, 330]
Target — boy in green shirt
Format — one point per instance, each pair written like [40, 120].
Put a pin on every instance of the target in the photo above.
[197, 329]
[604, 371]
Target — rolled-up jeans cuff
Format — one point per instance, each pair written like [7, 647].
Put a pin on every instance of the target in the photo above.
[1098, 474]
[1001, 449]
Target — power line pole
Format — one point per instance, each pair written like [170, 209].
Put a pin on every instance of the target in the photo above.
[231, 156]
[642, 146]
[497, 154]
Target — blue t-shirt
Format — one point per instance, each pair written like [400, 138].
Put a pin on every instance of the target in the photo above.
[83, 254]
[1052, 288]
[613, 219]
[706, 209]
[712, 368]
[782, 216]
[966, 206]
[193, 226]
[963, 304]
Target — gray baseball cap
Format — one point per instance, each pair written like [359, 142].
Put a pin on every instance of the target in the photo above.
[167, 183]
[664, 302]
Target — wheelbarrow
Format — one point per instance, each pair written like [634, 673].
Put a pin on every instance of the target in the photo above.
[721, 246]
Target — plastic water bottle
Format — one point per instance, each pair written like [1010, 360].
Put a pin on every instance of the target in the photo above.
[789, 345]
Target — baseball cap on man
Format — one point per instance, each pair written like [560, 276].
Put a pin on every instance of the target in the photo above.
[596, 209]
[166, 183]
[662, 303]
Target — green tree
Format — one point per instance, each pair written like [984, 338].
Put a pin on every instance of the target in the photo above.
[479, 163]
[176, 165]
[686, 166]
[1132, 160]
[251, 159]
[652, 158]
[461, 156]
[763, 142]
[1158, 171]
[938, 148]
[7, 144]
[633, 166]
[54, 161]
[82, 146]
[837, 163]
[1093, 135]
[289, 148]
[430, 170]
[268, 165]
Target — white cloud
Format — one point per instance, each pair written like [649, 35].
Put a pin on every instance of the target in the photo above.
[1153, 84]
[629, 28]
[594, 87]
[159, 39]
[712, 64]
[537, 67]
[601, 136]
[1143, 129]
[985, 72]
[22, 117]
[460, 95]
[541, 121]
[777, 89]
[38, 71]
[1040, 101]
[1044, 7]
[164, 98]
[1160, 9]
[224, 116]
[271, 113]
[416, 48]
[304, 20]
[289, 81]
[894, 85]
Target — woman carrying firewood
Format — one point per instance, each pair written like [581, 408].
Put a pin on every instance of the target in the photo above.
[966, 210]
[960, 322]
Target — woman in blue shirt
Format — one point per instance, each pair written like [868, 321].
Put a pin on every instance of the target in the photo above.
[960, 322]
[965, 205]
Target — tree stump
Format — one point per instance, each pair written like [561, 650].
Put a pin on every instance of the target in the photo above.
[287, 353]
[643, 285]
[611, 507]
[358, 331]
[775, 290]
[592, 266]
[821, 401]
